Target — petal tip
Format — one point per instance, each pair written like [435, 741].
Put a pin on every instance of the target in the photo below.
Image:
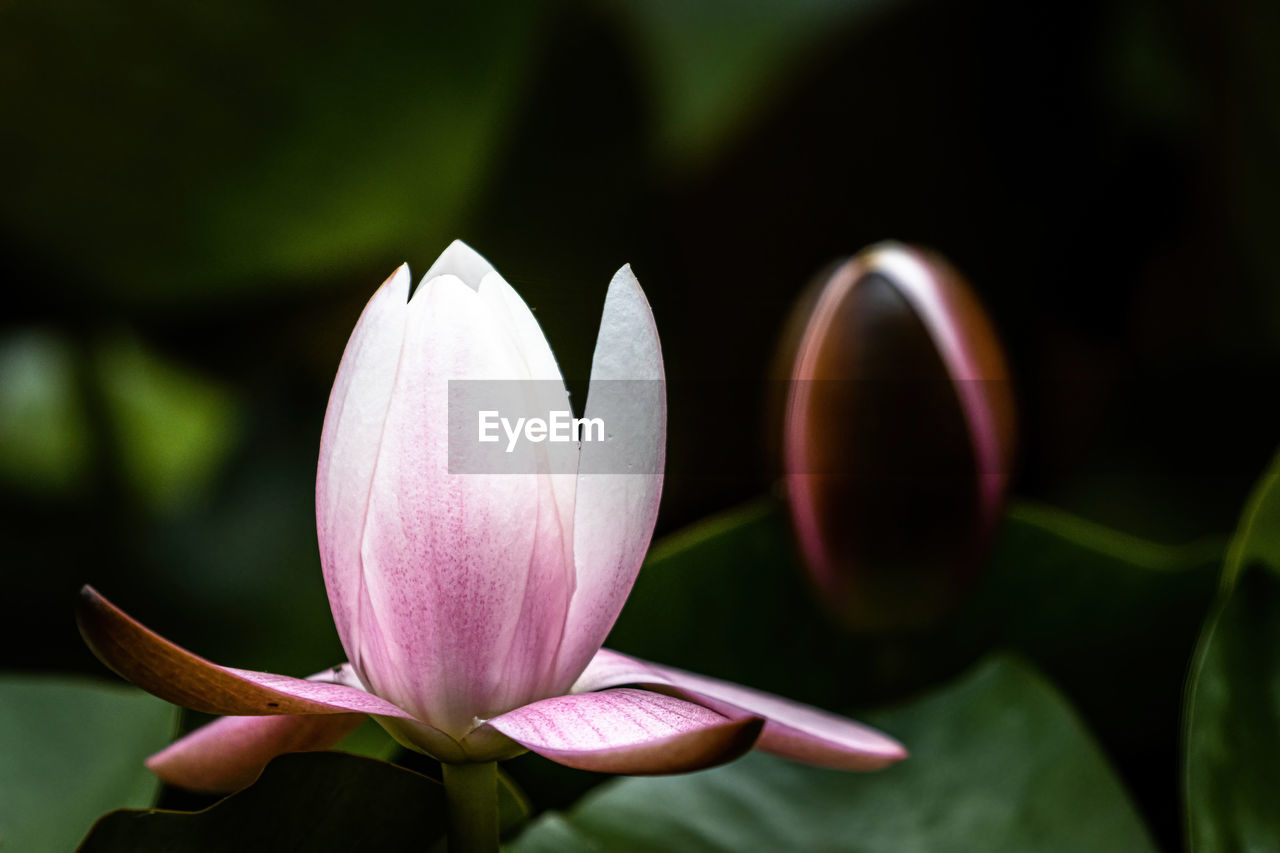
[460, 260]
[894, 752]
[626, 277]
[398, 283]
[85, 597]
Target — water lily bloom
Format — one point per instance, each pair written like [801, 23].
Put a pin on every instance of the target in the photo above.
[473, 606]
[898, 436]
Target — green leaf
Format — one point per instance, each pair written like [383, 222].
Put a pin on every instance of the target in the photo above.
[71, 749]
[315, 801]
[1233, 723]
[552, 833]
[999, 762]
[1232, 731]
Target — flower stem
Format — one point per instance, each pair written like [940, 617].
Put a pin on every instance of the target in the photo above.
[472, 792]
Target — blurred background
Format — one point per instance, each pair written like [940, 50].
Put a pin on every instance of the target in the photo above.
[198, 200]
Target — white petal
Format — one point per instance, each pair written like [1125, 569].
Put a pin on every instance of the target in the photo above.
[462, 262]
[349, 446]
[620, 480]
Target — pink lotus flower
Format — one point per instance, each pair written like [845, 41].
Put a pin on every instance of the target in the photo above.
[473, 606]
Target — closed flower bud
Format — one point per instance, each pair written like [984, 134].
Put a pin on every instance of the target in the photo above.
[897, 437]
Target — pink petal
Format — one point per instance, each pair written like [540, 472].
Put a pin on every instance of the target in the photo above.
[446, 557]
[628, 731]
[791, 730]
[615, 511]
[230, 753]
[349, 449]
[176, 675]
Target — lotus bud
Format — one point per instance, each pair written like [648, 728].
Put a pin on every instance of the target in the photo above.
[897, 436]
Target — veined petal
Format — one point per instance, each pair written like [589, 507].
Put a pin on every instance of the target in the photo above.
[791, 730]
[349, 446]
[230, 753]
[628, 731]
[621, 478]
[445, 556]
[178, 676]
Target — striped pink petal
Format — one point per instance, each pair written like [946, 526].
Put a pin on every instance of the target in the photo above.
[231, 752]
[628, 731]
[791, 730]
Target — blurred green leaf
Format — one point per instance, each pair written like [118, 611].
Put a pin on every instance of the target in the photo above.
[998, 762]
[174, 427]
[71, 749]
[552, 833]
[714, 64]
[178, 151]
[44, 438]
[1232, 731]
[1233, 723]
[315, 801]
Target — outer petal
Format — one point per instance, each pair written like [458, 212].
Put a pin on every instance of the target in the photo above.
[791, 730]
[230, 753]
[615, 511]
[445, 556]
[628, 731]
[349, 449]
[176, 675]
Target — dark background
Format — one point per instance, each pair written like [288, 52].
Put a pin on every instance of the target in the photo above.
[197, 201]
